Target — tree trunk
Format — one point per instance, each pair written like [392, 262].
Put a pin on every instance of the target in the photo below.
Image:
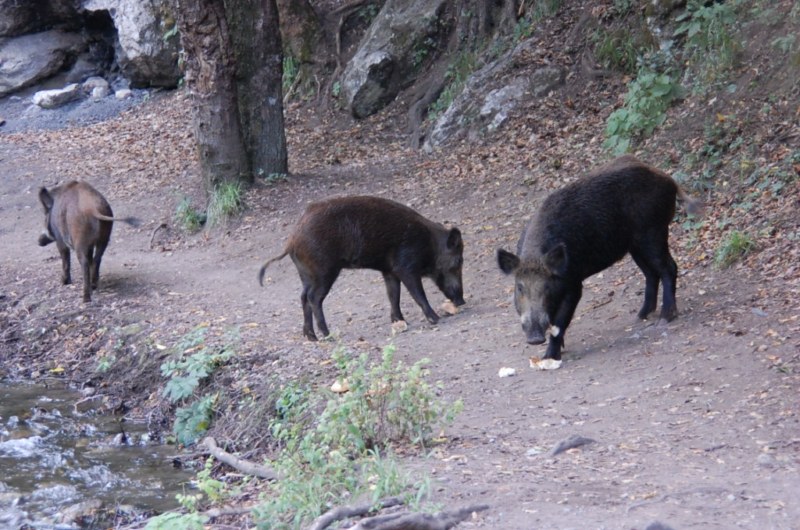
[209, 77]
[259, 74]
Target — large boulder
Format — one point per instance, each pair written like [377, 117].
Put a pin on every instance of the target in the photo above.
[147, 47]
[390, 55]
[476, 112]
[28, 59]
[18, 17]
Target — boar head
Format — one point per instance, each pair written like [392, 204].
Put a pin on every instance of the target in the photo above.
[540, 285]
[448, 267]
[47, 236]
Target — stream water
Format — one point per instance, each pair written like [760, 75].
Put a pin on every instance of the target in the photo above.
[60, 469]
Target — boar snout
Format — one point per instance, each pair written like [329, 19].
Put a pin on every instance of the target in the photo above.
[534, 329]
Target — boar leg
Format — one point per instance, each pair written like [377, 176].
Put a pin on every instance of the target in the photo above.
[66, 277]
[414, 285]
[669, 279]
[559, 323]
[393, 290]
[308, 319]
[85, 259]
[316, 294]
[98, 257]
[652, 280]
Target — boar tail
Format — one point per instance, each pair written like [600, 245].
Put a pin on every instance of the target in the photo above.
[133, 221]
[267, 264]
[692, 205]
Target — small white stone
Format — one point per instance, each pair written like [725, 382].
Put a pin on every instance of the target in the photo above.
[506, 372]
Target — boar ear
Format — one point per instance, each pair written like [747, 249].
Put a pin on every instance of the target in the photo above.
[46, 199]
[454, 240]
[556, 260]
[507, 261]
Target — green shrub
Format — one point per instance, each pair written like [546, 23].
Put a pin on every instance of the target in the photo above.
[736, 246]
[185, 373]
[708, 28]
[618, 49]
[226, 202]
[646, 102]
[188, 217]
[457, 74]
[344, 452]
[291, 69]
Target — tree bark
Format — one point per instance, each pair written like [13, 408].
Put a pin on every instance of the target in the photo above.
[209, 77]
[259, 76]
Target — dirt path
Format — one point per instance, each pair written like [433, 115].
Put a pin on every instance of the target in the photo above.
[694, 424]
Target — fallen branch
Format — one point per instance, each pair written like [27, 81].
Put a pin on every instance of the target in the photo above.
[343, 512]
[419, 521]
[246, 467]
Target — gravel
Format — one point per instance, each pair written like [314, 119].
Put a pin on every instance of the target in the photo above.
[19, 114]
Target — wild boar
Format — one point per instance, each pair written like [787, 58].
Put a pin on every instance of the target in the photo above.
[77, 217]
[365, 232]
[584, 228]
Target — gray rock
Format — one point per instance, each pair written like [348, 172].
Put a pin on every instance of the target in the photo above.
[144, 54]
[390, 54]
[18, 17]
[94, 82]
[474, 113]
[50, 99]
[123, 93]
[26, 60]
[99, 92]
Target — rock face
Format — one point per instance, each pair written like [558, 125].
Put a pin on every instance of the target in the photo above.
[475, 113]
[18, 17]
[147, 52]
[90, 37]
[28, 59]
[390, 54]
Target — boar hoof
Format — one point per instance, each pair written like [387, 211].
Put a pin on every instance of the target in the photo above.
[398, 327]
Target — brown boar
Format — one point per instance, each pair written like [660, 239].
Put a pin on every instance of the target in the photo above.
[371, 233]
[585, 227]
[77, 217]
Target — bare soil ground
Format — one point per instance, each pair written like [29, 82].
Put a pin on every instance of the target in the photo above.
[695, 424]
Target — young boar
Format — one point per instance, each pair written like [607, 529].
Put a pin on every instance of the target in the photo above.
[585, 227]
[371, 233]
[77, 217]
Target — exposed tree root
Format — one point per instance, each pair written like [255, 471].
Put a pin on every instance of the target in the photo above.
[249, 468]
[343, 512]
[419, 521]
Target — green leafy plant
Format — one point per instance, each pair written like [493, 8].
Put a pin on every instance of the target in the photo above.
[226, 202]
[194, 361]
[188, 217]
[646, 102]
[708, 29]
[735, 246]
[344, 451]
[177, 521]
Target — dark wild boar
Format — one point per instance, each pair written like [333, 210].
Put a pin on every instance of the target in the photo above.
[77, 217]
[371, 233]
[585, 227]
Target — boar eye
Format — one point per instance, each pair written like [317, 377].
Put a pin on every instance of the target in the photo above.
[519, 288]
